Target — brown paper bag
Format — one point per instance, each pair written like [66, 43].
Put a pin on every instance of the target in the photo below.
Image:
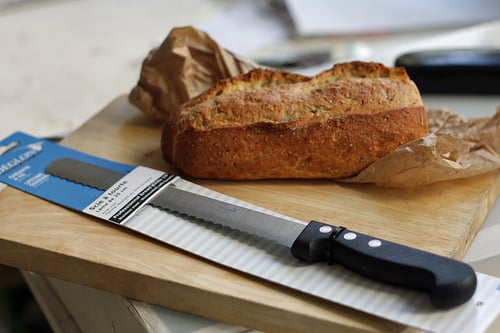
[187, 63]
[455, 148]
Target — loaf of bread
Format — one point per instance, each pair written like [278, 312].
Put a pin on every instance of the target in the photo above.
[272, 124]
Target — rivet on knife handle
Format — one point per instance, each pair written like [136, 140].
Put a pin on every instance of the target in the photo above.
[447, 281]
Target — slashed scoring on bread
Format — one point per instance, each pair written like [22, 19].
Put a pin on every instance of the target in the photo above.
[272, 124]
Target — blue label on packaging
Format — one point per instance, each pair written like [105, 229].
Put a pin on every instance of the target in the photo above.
[23, 160]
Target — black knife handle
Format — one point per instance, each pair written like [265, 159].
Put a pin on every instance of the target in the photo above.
[448, 282]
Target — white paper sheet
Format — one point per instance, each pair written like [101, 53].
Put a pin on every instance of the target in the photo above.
[484, 253]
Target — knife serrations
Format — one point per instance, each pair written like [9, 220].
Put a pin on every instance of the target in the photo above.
[281, 230]
[84, 173]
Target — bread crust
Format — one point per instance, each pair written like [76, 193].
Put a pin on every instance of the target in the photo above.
[269, 124]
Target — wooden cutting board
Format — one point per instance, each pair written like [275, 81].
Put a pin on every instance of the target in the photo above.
[39, 236]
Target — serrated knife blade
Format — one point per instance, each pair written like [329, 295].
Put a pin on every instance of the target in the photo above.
[448, 282]
[283, 231]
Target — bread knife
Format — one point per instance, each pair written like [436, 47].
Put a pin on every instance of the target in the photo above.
[448, 282]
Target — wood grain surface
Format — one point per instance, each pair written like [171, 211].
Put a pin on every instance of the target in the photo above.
[39, 236]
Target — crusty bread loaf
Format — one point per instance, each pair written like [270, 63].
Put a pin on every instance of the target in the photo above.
[271, 124]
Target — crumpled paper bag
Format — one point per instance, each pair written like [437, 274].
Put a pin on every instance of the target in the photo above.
[189, 61]
[455, 148]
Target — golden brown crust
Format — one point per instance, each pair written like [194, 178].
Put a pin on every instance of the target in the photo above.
[268, 124]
